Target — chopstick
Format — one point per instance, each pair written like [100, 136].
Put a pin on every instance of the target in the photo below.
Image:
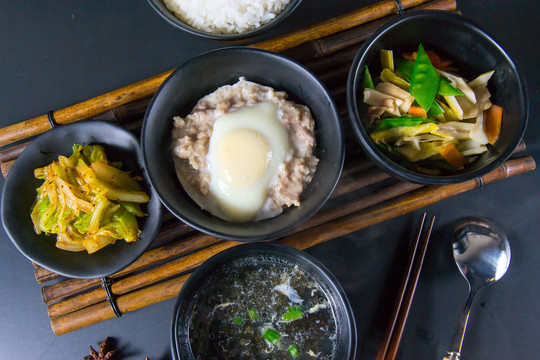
[406, 293]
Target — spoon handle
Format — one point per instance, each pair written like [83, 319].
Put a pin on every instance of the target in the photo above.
[454, 350]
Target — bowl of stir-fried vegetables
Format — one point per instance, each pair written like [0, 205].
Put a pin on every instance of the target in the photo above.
[77, 202]
[433, 99]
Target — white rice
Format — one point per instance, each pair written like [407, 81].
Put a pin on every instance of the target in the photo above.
[226, 16]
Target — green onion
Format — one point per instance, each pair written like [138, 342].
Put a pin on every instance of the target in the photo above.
[237, 320]
[252, 314]
[272, 335]
[295, 308]
[368, 81]
[293, 350]
[294, 313]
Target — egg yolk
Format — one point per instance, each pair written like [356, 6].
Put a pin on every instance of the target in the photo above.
[243, 157]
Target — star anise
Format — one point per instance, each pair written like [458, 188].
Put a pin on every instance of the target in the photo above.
[105, 353]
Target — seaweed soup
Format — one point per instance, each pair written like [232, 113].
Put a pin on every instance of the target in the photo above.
[262, 307]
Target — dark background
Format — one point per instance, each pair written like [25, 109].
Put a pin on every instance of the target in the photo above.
[54, 54]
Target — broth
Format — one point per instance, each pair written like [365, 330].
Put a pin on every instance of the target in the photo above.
[220, 326]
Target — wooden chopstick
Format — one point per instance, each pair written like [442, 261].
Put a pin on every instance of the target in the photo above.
[406, 293]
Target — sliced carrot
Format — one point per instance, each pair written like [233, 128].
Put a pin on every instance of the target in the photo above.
[409, 56]
[492, 123]
[435, 59]
[453, 156]
[417, 111]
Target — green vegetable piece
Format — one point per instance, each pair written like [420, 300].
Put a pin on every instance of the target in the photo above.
[123, 226]
[388, 76]
[94, 153]
[252, 314]
[295, 308]
[82, 222]
[406, 68]
[116, 164]
[272, 335]
[387, 59]
[133, 208]
[368, 81]
[446, 89]
[237, 320]
[294, 313]
[389, 123]
[293, 350]
[425, 80]
[430, 121]
[435, 109]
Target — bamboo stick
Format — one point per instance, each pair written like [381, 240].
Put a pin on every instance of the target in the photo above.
[126, 303]
[83, 110]
[323, 217]
[55, 292]
[348, 38]
[171, 228]
[350, 181]
[139, 280]
[126, 104]
[337, 24]
[147, 87]
[302, 240]
[13, 152]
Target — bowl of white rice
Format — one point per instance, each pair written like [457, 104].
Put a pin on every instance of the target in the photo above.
[224, 20]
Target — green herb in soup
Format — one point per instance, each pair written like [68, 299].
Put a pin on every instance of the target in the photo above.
[262, 308]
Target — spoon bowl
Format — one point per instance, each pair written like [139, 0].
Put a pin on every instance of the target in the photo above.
[482, 254]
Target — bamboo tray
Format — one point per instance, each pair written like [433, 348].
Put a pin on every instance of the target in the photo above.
[365, 195]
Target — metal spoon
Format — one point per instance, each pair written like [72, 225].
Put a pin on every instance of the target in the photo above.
[482, 254]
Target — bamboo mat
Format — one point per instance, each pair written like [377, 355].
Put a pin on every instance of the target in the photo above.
[364, 196]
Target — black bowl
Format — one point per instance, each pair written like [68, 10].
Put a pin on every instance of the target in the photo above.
[160, 7]
[201, 76]
[20, 191]
[475, 53]
[341, 308]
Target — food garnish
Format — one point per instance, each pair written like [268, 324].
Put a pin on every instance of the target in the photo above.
[252, 314]
[87, 201]
[425, 116]
[105, 351]
[272, 335]
[293, 350]
[294, 313]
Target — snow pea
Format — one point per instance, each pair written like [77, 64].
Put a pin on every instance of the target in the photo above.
[368, 81]
[388, 123]
[446, 89]
[405, 67]
[424, 81]
[435, 110]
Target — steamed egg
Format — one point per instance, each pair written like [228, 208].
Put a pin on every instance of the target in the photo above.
[246, 149]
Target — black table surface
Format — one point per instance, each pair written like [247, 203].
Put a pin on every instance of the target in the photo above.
[55, 55]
